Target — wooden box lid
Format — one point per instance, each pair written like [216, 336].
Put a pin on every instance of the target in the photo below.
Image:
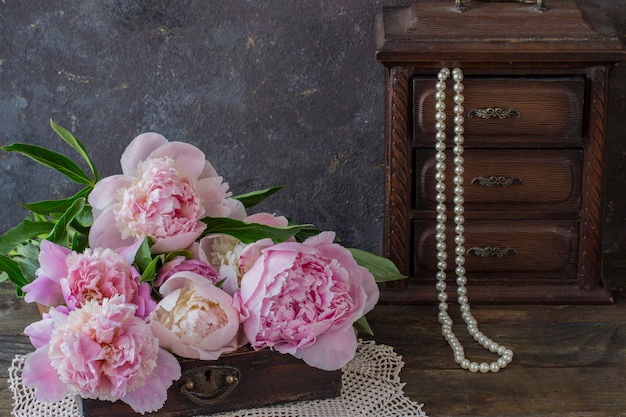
[432, 34]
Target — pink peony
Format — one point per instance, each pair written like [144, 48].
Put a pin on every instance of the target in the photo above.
[195, 319]
[164, 190]
[73, 278]
[100, 351]
[180, 264]
[303, 298]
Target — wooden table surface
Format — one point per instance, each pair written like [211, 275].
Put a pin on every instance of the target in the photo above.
[570, 360]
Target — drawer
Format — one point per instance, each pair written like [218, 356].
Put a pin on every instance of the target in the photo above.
[506, 179]
[501, 111]
[511, 251]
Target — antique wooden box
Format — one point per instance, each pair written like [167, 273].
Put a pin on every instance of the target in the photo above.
[536, 85]
[239, 380]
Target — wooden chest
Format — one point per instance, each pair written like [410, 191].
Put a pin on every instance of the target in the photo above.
[536, 85]
[239, 380]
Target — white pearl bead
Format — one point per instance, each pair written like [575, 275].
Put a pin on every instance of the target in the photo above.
[459, 229]
[440, 86]
[459, 199]
[494, 367]
[441, 276]
[440, 126]
[458, 190]
[440, 286]
[502, 363]
[462, 299]
[459, 260]
[443, 306]
[458, 119]
[461, 279]
[441, 208]
[459, 160]
[459, 170]
[441, 218]
[458, 140]
[442, 265]
[440, 116]
[440, 96]
[459, 130]
[483, 367]
[465, 363]
[473, 367]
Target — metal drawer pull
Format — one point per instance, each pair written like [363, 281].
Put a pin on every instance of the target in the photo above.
[209, 385]
[497, 180]
[491, 112]
[492, 251]
[538, 4]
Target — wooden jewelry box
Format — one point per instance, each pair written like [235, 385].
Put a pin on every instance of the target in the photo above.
[536, 87]
[239, 380]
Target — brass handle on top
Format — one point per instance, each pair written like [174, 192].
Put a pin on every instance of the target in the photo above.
[539, 5]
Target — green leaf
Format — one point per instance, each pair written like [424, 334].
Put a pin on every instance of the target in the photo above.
[77, 146]
[382, 268]
[47, 207]
[149, 273]
[304, 234]
[362, 326]
[13, 271]
[255, 197]
[249, 232]
[24, 231]
[51, 159]
[143, 256]
[60, 231]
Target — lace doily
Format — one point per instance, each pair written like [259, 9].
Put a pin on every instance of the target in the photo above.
[371, 386]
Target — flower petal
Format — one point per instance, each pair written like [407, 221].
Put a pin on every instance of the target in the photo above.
[190, 161]
[104, 233]
[44, 291]
[39, 374]
[152, 395]
[331, 350]
[52, 260]
[39, 331]
[139, 149]
[104, 192]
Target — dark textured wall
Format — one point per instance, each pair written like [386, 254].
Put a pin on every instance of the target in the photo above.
[275, 92]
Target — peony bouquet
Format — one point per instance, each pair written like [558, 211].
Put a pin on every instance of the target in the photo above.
[162, 262]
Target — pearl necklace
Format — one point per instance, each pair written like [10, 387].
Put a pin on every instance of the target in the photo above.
[506, 355]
